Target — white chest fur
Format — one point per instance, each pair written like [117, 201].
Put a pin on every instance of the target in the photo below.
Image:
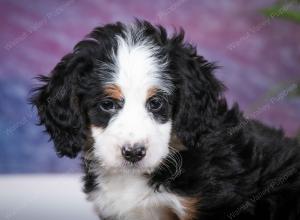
[129, 197]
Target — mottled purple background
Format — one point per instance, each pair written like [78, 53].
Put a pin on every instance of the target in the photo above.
[259, 58]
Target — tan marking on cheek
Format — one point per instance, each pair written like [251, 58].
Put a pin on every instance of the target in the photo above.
[113, 91]
[176, 143]
[190, 205]
[151, 92]
[169, 215]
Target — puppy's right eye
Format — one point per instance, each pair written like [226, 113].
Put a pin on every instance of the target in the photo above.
[109, 105]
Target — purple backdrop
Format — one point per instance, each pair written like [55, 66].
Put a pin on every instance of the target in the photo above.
[259, 58]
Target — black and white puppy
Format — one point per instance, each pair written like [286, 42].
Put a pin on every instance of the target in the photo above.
[156, 136]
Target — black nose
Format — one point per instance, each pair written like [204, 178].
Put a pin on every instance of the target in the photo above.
[133, 153]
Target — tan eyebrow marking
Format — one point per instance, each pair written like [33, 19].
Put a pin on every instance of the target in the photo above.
[113, 91]
[151, 92]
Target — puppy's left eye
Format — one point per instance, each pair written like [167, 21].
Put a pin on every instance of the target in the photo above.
[154, 104]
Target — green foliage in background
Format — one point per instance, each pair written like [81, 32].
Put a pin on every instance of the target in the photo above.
[283, 10]
[290, 11]
[296, 92]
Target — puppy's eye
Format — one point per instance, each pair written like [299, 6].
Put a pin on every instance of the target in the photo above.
[154, 104]
[109, 105]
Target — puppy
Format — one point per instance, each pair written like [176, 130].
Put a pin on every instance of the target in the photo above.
[157, 139]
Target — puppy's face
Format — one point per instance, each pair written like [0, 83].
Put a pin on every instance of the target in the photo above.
[122, 90]
[131, 120]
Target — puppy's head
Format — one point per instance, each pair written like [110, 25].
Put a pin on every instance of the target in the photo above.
[122, 92]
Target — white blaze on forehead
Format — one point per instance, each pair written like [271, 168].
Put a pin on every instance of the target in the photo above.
[137, 68]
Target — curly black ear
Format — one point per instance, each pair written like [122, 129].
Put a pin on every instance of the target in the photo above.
[198, 99]
[58, 107]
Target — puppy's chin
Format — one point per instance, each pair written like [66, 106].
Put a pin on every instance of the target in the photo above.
[125, 167]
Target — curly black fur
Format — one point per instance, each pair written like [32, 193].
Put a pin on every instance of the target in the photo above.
[237, 172]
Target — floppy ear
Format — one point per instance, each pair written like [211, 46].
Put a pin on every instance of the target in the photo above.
[198, 93]
[58, 106]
